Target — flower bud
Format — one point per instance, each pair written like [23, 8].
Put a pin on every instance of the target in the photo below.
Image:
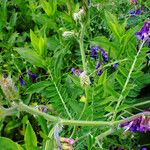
[68, 34]
[84, 79]
[8, 88]
[77, 16]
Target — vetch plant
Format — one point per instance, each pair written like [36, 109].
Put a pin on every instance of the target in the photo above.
[77, 93]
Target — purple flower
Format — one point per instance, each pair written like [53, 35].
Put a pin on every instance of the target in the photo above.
[97, 65]
[140, 124]
[134, 2]
[143, 148]
[94, 52]
[115, 65]
[144, 33]
[22, 82]
[76, 72]
[32, 76]
[100, 72]
[42, 108]
[142, 9]
[135, 12]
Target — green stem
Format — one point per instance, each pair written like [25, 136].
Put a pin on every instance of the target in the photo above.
[83, 57]
[22, 107]
[60, 96]
[127, 81]
[103, 135]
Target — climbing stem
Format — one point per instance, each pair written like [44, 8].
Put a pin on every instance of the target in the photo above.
[121, 97]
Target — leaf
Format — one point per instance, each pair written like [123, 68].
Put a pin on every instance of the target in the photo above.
[30, 138]
[38, 87]
[113, 25]
[50, 143]
[32, 57]
[8, 144]
[43, 124]
[34, 40]
[49, 7]
[109, 109]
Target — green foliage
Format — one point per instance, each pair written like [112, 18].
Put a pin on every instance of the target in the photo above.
[7, 144]
[30, 138]
[31, 39]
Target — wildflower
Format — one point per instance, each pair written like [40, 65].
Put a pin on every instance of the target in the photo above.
[100, 72]
[142, 9]
[134, 2]
[115, 65]
[76, 72]
[22, 82]
[68, 34]
[94, 52]
[42, 108]
[84, 79]
[104, 55]
[97, 65]
[77, 16]
[8, 88]
[143, 148]
[144, 33]
[137, 11]
[32, 76]
[141, 124]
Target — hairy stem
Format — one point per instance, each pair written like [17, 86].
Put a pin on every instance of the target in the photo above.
[22, 107]
[127, 81]
[60, 96]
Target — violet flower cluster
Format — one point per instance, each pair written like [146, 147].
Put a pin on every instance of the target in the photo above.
[31, 76]
[144, 33]
[76, 72]
[94, 53]
[137, 12]
[140, 124]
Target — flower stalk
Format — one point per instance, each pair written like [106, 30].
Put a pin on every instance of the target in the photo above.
[22, 107]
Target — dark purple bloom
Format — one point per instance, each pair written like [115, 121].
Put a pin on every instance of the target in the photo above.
[94, 52]
[140, 124]
[22, 82]
[143, 148]
[100, 72]
[144, 33]
[142, 9]
[31, 75]
[97, 65]
[115, 65]
[135, 12]
[105, 57]
[76, 72]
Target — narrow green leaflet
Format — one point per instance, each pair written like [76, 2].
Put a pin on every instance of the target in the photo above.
[32, 57]
[30, 138]
[37, 87]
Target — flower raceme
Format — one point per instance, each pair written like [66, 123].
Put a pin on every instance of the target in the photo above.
[144, 33]
[140, 124]
[8, 87]
[137, 12]
[94, 53]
